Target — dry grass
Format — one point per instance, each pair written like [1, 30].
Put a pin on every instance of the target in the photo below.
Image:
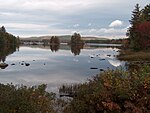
[128, 55]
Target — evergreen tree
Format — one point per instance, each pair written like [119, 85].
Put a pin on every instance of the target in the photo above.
[135, 20]
[139, 31]
[136, 13]
[146, 13]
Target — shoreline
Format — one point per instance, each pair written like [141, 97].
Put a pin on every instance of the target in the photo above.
[130, 55]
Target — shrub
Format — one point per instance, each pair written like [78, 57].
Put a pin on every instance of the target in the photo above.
[21, 99]
[113, 92]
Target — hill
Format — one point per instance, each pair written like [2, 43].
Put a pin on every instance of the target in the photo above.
[63, 38]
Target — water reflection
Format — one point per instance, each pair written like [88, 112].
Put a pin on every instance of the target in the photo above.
[54, 47]
[5, 51]
[114, 62]
[68, 65]
[76, 48]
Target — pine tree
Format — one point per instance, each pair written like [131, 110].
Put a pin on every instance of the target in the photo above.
[136, 13]
[2, 29]
[139, 31]
[135, 20]
[146, 13]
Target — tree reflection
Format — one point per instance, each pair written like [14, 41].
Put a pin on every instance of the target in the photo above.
[76, 48]
[54, 47]
[5, 51]
[54, 43]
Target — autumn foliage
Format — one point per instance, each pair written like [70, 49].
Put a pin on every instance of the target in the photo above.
[139, 32]
[22, 99]
[144, 28]
[143, 31]
[113, 92]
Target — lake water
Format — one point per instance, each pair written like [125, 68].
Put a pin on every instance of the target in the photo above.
[57, 66]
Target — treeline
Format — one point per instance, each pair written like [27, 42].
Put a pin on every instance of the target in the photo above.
[112, 41]
[139, 32]
[7, 38]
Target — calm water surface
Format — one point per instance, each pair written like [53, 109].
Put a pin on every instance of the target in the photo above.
[56, 68]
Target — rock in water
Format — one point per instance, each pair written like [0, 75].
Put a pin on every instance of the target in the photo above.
[27, 64]
[93, 68]
[12, 64]
[3, 65]
[101, 69]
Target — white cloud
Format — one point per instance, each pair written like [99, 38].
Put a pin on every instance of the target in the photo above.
[112, 31]
[24, 26]
[116, 23]
[6, 14]
[106, 32]
[115, 62]
[57, 6]
[54, 16]
[76, 25]
[92, 30]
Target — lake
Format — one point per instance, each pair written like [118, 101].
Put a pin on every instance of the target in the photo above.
[55, 66]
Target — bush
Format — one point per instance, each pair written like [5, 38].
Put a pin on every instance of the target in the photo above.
[15, 99]
[113, 92]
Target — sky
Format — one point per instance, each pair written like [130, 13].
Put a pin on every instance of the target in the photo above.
[103, 18]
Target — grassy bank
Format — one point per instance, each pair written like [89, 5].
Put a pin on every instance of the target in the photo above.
[129, 55]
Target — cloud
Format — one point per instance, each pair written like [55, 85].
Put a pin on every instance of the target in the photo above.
[116, 23]
[76, 25]
[115, 63]
[89, 24]
[106, 32]
[35, 17]
[24, 26]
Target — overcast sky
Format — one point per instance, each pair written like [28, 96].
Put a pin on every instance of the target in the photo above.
[107, 18]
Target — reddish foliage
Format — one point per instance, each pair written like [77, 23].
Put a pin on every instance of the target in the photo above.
[143, 31]
[144, 28]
